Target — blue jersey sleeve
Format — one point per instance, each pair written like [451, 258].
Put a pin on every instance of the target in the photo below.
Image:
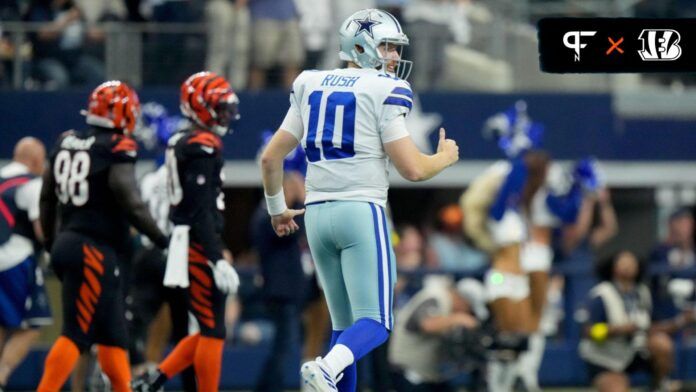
[396, 100]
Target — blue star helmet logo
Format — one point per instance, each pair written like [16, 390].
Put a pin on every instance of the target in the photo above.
[366, 25]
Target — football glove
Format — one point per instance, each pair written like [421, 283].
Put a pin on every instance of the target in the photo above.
[226, 278]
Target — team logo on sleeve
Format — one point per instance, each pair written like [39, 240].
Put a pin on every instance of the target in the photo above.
[660, 45]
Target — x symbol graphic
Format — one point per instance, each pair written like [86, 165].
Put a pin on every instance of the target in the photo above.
[615, 45]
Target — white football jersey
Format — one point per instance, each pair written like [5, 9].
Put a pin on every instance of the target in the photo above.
[342, 117]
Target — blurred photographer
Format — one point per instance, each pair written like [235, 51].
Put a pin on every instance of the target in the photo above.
[620, 337]
[438, 315]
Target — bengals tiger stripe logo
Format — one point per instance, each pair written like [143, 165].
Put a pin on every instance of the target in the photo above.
[113, 104]
[206, 139]
[124, 144]
[200, 95]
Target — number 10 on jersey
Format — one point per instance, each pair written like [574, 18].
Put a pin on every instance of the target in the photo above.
[343, 99]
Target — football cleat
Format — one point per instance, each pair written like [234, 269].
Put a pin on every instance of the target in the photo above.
[316, 375]
[144, 383]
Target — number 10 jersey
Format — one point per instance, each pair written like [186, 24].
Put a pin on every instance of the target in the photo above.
[343, 117]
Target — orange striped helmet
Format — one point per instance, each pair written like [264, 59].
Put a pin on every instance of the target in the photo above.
[113, 104]
[209, 101]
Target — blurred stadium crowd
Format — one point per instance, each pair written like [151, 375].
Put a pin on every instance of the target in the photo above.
[53, 44]
[241, 39]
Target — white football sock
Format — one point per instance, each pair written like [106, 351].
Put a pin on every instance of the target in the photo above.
[529, 362]
[339, 358]
[501, 375]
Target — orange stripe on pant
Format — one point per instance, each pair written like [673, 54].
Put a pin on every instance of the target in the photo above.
[200, 292]
[93, 258]
[89, 298]
[195, 256]
[200, 276]
[93, 281]
[91, 288]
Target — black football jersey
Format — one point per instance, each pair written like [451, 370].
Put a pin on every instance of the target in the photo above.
[80, 162]
[194, 164]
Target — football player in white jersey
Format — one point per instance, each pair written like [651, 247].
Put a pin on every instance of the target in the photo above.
[351, 122]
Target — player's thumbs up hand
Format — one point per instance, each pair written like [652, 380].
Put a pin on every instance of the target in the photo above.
[448, 148]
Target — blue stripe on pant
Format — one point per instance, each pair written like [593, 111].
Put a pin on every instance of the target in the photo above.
[352, 251]
[380, 263]
[390, 260]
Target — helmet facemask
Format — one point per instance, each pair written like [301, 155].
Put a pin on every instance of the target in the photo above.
[225, 112]
[208, 101]
[401, 68]
[381, 60]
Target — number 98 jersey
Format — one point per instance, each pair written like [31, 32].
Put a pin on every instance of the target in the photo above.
[343, 117]
[81, 162]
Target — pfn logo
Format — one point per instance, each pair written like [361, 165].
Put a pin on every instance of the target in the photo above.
[660, 45]
[571, 40]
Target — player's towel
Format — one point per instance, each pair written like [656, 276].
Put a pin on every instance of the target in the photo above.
[176, 274]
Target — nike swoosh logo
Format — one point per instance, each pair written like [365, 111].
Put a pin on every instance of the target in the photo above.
[209, 150]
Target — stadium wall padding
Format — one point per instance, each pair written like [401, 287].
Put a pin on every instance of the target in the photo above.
[576, 124]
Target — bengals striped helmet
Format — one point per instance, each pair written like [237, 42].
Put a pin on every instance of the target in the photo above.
[208, 100]
[113, 104]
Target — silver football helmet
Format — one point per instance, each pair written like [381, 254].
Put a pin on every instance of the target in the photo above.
[368, 29]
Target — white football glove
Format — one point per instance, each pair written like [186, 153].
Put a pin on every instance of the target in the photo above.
[226, 278]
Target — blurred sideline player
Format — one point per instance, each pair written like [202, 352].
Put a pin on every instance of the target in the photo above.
[194, 163]
[159, 313]
[284, 281]
[90, 188]
[440, 333]
[494, 205]
[23, 301]
[315, 314]
[350, 122]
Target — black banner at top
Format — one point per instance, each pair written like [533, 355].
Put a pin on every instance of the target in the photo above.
[613, 45]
